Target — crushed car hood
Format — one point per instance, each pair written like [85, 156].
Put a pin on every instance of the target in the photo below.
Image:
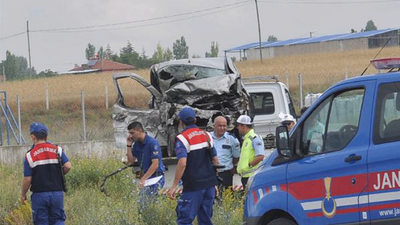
[223, 88]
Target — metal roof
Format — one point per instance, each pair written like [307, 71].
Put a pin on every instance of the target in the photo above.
[309, 40]
[246, 46]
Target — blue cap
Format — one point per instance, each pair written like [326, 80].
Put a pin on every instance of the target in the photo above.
[187, 115]
[38, 128]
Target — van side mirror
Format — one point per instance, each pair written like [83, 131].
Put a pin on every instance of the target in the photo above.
[282, 141]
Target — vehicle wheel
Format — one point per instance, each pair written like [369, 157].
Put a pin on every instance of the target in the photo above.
[282, 221]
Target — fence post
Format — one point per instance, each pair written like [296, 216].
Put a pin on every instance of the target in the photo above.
[83, 114]
[19, 120]
[301, 90]
[106, 96]
[47, 96]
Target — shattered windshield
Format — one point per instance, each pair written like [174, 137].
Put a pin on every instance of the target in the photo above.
[189, 72]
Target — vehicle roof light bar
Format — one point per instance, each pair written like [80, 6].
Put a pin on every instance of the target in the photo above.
[386, 63]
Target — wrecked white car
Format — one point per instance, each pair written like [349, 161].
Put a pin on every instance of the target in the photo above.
[212, 86]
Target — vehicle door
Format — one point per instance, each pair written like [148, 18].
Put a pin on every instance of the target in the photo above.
[267, 102]
[326, 184]
[384, 156]
[138, 101]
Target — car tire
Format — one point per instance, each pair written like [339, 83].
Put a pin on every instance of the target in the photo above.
[282, 221]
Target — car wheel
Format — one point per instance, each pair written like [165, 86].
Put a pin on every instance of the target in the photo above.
[282, 221]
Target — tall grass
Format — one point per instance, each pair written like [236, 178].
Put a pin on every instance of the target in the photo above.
[86, 204]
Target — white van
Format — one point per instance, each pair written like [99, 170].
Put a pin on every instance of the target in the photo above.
[269, 98]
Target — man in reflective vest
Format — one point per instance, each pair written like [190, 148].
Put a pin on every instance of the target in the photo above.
[252, 152]
[42, 173]
[194, 150]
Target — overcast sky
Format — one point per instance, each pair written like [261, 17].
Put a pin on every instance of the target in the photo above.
[228, 22]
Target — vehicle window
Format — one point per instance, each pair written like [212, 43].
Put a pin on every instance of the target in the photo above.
[134, 95]
[188, 72]
[263, 103]
[290, 104]
[387, 115]
[334, 123]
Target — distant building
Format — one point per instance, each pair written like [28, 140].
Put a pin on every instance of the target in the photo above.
[328, 43]
[97, 65]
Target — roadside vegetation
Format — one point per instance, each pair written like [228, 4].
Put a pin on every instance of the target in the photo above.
[86, 204]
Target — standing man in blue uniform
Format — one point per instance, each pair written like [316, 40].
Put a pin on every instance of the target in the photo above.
[42, 173]
[228, 150]
[147, 151]
[194, 150]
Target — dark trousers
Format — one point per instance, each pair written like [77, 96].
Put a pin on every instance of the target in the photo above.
[227, 179]
[196, 203]
[48, 208]
[244, 182]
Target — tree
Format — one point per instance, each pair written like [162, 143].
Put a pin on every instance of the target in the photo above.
[196, 56]
[180, 49]
[101, 53]
[16, 67]
[108, 53]
[353, 31]
[128, 55]
[214, 50]
[90, 51]
[272, 38]
[168, 54]
[370, 26]
[158, 55]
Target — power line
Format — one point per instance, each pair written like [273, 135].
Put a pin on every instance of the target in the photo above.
[327, 2]
[13, 35]
[222, 8]
[144, 25]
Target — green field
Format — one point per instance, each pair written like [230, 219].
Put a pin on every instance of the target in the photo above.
[86, 204]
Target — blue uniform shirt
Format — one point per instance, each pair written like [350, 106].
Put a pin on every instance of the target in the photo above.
[146, 152]
[181, 151]
[228, 147]
[258, 146]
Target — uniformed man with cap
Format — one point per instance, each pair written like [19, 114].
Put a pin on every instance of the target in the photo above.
[287, 120]
[42, 173]
[252, 151]
[195, 168]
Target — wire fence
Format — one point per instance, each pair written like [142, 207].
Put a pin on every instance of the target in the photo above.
[86, 115]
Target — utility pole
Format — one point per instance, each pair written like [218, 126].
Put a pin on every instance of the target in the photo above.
[29, 47]
[4, 73]
[259, 30]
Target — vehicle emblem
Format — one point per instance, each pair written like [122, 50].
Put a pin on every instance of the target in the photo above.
[328, 203]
